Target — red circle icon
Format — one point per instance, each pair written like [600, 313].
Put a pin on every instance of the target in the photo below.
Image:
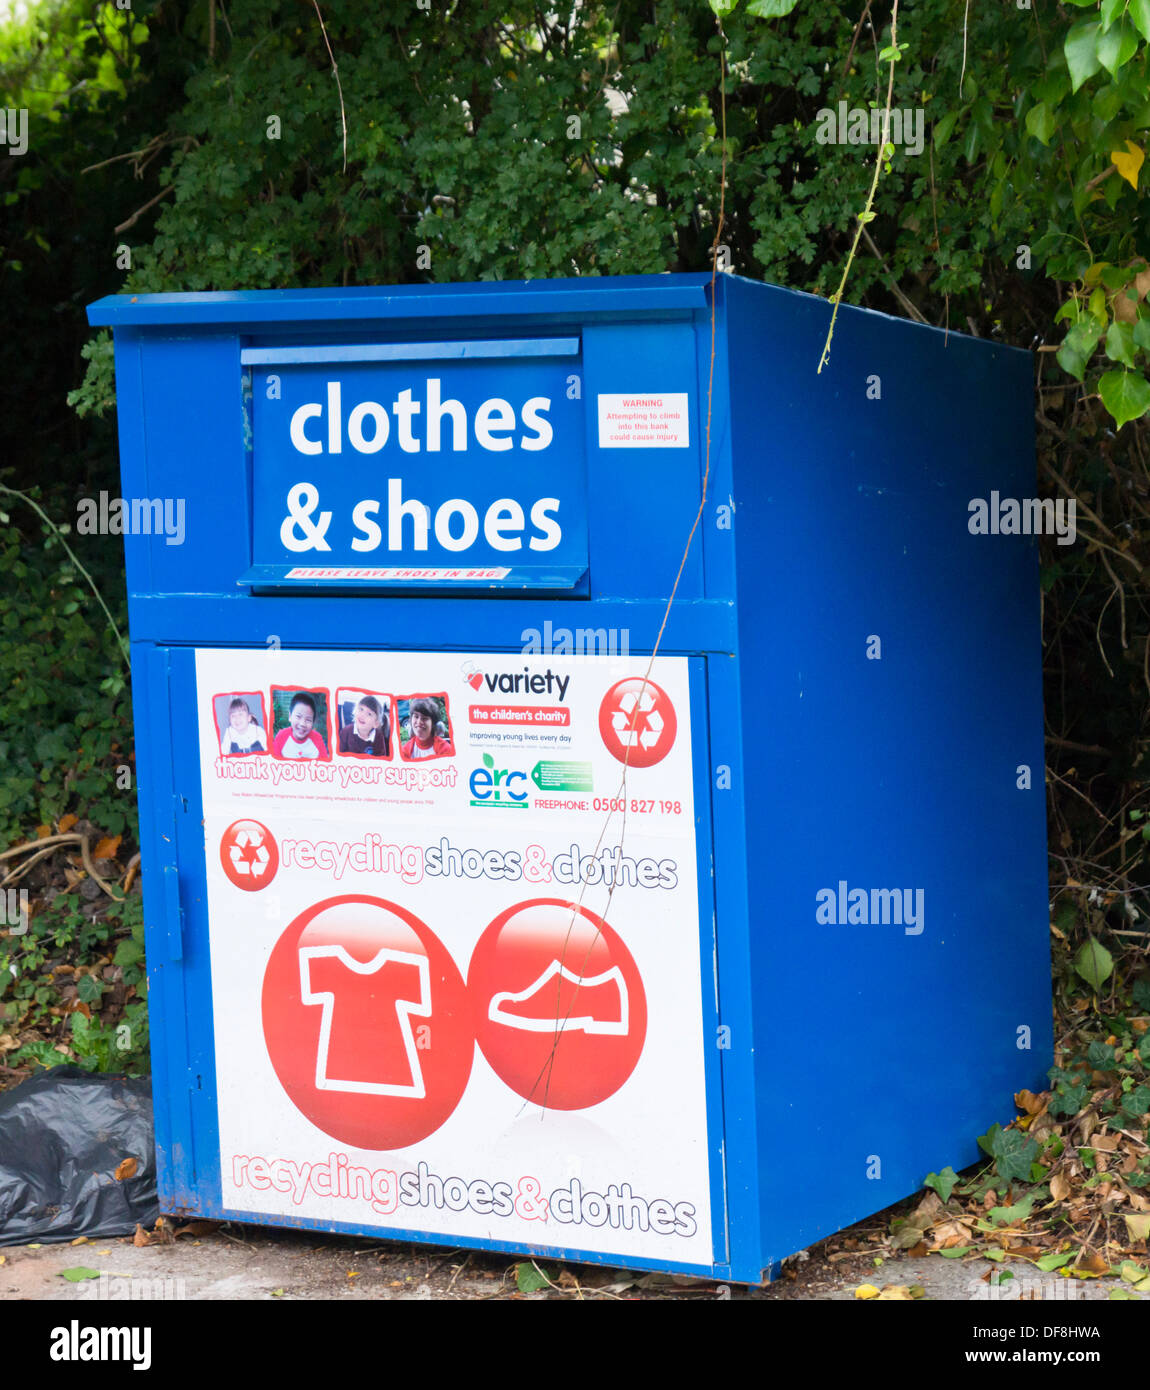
[561, 1014]
[637, 722]
[367, 1022]
[249, 855]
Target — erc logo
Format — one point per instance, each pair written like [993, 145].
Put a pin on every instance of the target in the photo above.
[492, 786]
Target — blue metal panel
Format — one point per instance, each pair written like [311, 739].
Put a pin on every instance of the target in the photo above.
[163, 926]
[411, 352]
[644, 500]
[617, 296]
[877, 774]
[699, 626]
[190, 455]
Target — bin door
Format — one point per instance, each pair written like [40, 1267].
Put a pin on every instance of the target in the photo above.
[448, 948]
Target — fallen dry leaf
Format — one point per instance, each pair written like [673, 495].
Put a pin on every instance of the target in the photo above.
[1032, 1104]
[126, 1169]
[866, 1291]
[1138, 1226]
[80, 1240]
[67, 822]
[896, 1293]
[197, 1228]
[1106, 1142]
[107, 847]
[1059, 1187]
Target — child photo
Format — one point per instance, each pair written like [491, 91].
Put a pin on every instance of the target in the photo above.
[240, 723]
[424, 727]
[301, 723]
[364, 723]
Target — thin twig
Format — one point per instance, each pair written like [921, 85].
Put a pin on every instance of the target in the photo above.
[151, 203]
[906, 303]
[865, 216]
[338, 84]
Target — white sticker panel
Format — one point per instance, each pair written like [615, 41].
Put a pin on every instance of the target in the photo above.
[455, 989]
[644, 422]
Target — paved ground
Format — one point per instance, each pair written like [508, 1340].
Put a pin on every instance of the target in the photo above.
[244, 1262]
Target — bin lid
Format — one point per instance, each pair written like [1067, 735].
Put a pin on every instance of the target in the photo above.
[594, 294]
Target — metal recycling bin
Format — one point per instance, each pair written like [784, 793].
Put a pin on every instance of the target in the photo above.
[467, 922]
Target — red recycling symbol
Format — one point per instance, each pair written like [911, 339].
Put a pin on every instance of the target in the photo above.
[637, 722]
[249, 855]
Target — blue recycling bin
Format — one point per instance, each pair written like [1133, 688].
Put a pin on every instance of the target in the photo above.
[469, 919]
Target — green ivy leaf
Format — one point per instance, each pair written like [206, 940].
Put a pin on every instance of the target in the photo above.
[1078, 346]
[529, 1279]
[1111, 9]
[1137, 1102]
[1120, 343]
[78, 1272]
[1081, 49]
[1013, 1154]
[1140, 14]
[1117, 46]
[89, 989]
[1040, 123]
[771, 9]
[1093, 961]
[943, 129]
[986, 1141]
[1019, 1211]
[1126, 395]
[1051, 1262]
[128, 953]
[1100, 1055]
[944, 1182]
[723, 7]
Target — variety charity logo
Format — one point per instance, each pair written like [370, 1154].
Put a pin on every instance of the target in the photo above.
[525, 682]
[372, 1031]
[249, 855]
[637, 722]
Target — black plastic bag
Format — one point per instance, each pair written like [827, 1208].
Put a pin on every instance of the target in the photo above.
[63, 1134]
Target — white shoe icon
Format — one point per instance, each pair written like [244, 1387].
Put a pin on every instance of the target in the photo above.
[558, 1016]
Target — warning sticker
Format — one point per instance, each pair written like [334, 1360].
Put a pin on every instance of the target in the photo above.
[644, 422]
